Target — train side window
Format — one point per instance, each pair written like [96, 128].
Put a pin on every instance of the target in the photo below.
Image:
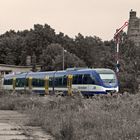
[26, 82]
[4, 82]
[34, 82]
[41, 82]
[38, 82]
[58, 81]
[87, 79]
[50, 81]
[17, 83]
[64, 80]
[80, 79]
[75, 79]
[20, 82]
[8, 81]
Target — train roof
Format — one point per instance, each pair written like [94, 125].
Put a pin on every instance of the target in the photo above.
[104, 70]
[67, 71]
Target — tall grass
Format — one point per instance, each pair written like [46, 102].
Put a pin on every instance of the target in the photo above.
[76, 118]
[88, 119]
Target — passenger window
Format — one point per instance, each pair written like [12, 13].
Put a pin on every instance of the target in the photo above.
[37, 82]
[20, 82]
[75, 79]
[87, 79]
[34, 82]
[41, 82]
[5, 82]
[58, 81]
[17, 82]
[8, 81]
[64, 80]
[26, 82]
[80, 79]
[50, 81]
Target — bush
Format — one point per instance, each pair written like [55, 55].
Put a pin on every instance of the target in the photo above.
[76, 118]
[86, 119]
[128, 82]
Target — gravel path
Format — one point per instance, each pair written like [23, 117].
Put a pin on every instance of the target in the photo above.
[12, 127]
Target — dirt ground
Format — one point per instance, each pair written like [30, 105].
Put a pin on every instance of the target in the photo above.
[12, 127]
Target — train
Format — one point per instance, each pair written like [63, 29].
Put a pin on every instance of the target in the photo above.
[88, 81]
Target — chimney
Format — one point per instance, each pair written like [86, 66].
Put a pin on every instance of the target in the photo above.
[132, 14]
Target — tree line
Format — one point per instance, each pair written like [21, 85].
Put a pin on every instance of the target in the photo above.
[46, 47]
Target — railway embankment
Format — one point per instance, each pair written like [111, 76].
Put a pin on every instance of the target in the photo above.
[73, 118]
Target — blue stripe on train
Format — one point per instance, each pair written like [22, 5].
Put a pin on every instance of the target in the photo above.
[90, 93]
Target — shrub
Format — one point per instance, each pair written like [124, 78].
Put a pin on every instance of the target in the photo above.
[76, 118]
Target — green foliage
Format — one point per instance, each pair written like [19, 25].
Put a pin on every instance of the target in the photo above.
[52, 58]
[129, 72]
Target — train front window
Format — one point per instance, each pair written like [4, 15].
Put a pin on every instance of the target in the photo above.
[108, 78]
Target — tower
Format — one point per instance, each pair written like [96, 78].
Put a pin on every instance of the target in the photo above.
[133, 31]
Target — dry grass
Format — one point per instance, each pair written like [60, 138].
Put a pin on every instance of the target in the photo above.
[106, 118]
[75, 118]
[17, 101]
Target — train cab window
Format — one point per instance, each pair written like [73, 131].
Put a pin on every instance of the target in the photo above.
[87, 79]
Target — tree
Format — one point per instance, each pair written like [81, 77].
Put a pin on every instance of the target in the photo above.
[130, 65]
[71, 60]
[48, 55]
[52, 57]
[87, 49]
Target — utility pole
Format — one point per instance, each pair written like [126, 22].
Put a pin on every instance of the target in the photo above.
[117, 39]
[64, 58]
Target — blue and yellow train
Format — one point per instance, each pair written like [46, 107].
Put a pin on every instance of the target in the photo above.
[87, 81]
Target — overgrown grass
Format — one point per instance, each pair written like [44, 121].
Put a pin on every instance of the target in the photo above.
[18, 101]
[76, 118]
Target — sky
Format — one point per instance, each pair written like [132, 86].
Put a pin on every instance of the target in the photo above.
[98, 18]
